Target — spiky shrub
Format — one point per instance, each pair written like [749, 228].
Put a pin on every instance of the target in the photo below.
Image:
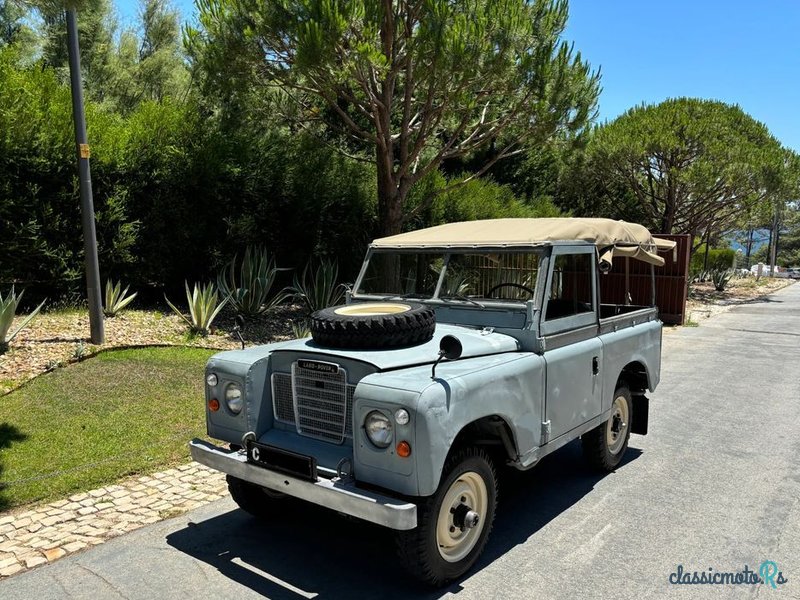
[116, 298]
[317, 287]
[204, 306]
[248, 283]
[301, 329]
[721, 279]
[8, 308]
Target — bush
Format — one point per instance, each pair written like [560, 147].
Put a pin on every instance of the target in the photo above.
[719, 259]
[40, 227]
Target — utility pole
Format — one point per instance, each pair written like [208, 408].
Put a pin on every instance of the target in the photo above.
[85, 177]
[773, 254]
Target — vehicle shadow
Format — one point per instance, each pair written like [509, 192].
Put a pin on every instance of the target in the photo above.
[8, 435]
[314, 552]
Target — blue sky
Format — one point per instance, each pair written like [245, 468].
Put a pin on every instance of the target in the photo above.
[745, 53]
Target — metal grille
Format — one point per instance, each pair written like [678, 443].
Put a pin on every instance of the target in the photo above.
[282, 397]
[320, 405]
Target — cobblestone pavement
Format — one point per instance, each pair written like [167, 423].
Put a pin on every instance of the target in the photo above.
[46, 533]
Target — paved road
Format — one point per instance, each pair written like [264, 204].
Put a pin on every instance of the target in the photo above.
[716, 485]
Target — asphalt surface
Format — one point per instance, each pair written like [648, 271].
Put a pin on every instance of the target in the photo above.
[715, 485]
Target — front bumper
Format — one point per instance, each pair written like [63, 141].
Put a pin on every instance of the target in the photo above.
[338, 495]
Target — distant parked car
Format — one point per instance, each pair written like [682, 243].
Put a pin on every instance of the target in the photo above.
[793, 272]
[766, 270]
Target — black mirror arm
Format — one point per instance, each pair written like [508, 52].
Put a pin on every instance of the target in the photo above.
[438, 360]
[238, 331]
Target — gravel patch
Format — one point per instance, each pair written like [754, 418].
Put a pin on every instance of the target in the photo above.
[57, 338]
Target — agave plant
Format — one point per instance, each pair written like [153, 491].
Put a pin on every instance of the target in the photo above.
[8, 308]
[248, 286]
[301, 329]
[721, 279]
[204, 306]
[317, 287]
[116, 298]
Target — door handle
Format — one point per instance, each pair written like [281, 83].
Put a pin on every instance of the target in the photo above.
[595, 365]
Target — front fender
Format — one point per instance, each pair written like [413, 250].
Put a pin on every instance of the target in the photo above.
[509, 385]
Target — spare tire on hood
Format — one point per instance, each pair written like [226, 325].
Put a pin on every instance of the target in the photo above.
[373, 325]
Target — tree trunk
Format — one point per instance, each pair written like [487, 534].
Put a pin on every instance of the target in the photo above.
[390, 202]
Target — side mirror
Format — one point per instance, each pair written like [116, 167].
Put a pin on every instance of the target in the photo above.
[450, 348]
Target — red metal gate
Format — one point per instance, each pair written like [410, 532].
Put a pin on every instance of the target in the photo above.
[635, 276]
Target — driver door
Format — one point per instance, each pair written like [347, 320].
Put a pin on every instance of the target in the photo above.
[573, 352]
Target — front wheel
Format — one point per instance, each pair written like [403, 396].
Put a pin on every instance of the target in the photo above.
[262, 503]
[605, 445]
[453, 524]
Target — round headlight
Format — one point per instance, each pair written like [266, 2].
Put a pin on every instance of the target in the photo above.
[233, 398]
[379, 429]
[401, 416]
[211, 379]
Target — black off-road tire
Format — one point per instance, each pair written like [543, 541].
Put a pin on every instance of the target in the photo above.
[418, 549]
[259, 502]
[410, 327]
[596, 448]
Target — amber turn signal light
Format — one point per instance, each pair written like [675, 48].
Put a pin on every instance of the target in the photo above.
[213, 405]
[404, 449]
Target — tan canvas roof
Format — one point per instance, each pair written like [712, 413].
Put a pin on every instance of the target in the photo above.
[613, 238]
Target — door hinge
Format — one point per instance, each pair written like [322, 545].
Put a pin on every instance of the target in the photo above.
[546, 429]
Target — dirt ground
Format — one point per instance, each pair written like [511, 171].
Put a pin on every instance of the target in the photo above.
[54, 339]
[705, 301]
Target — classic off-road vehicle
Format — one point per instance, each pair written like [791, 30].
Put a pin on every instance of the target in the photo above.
[461, 348]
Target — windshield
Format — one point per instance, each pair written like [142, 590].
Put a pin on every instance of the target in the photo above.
[467, 275]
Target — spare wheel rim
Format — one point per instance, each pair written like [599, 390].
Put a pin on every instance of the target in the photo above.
[372, 309]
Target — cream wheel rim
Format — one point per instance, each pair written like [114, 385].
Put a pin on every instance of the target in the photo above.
[454, 540]
[372, 309]
[617, 425]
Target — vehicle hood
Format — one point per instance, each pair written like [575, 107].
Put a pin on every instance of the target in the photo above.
[474, 342]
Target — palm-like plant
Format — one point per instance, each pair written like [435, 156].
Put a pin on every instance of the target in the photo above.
[116, 298]
[204, 306]
[8, 308]
[317, 287]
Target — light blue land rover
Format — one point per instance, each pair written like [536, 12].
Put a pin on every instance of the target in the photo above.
[461, 347]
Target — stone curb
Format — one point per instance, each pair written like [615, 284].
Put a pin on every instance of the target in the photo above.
[46, 533]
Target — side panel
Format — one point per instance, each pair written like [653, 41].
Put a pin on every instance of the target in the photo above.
[640, 343]
[574, 385]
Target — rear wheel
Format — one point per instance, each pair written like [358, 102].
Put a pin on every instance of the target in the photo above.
[605, 445]
[453, 524]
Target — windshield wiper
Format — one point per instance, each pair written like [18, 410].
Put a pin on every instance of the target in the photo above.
[462, 298]
[409, 295]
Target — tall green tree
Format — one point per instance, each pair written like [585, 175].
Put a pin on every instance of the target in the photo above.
[409, 83]
[18, 28]
[97, 28]
[687, 166]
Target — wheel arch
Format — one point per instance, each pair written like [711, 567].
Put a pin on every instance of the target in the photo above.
[493, 433]
[636, 376]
